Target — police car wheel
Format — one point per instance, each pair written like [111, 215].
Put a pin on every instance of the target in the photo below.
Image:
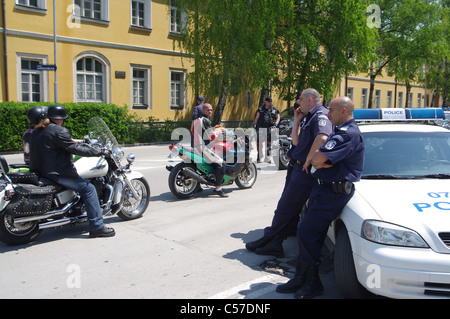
[344, 268]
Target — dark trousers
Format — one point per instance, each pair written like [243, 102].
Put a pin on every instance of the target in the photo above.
[324, 206]
[295, 194]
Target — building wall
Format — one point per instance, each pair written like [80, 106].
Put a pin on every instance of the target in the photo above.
[120, 48]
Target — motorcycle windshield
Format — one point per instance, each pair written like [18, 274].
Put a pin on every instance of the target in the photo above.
[99, 131]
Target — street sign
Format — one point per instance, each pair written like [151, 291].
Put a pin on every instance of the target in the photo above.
[45, 67]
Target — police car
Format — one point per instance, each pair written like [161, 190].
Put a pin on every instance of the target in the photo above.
[393, 237]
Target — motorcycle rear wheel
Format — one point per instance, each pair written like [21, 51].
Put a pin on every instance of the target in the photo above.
[180, 185]
[133, 208]
[17, 234]
[247, 177]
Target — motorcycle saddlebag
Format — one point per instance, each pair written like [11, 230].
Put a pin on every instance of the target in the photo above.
[30, 200]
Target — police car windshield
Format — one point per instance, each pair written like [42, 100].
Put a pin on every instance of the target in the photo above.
[390, 155]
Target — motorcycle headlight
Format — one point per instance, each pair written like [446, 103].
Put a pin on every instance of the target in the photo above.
[390, 234]
[118, 154]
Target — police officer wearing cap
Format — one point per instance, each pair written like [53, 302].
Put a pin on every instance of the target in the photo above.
[338, 164]
[310, 130]
[51, 150]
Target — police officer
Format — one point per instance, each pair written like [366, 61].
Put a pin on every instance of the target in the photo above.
[311, 128]
[267, 116]
[338, 164]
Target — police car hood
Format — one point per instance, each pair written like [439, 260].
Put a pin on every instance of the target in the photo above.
[422, 205]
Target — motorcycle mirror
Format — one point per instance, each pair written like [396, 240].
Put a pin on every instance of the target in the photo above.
[131, 158]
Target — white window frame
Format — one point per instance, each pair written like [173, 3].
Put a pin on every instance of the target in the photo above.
[400, 99]
[350, 93]
[147, 96]
[419, 99]
[26, 5]
[106, 77]
[175, 26]
[364, 98]
[79, 10]
[43, 83]
[411, 99]
[147, 19]
[182, 90]
[377, 99]
[389, 98]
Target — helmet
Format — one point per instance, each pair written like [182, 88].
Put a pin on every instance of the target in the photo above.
[36, 114]
[57, 112]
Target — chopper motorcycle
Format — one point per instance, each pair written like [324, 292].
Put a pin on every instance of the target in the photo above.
[186, 178]
[29, 204]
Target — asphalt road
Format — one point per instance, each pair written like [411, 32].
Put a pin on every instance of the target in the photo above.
[179, 249]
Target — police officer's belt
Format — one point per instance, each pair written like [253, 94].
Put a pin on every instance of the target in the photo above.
[341, 187]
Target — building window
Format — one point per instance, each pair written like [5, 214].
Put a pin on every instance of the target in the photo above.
[410, 99]
[177, 90]
[141, 87]
[177, 18]
[400, 99]
[92, 9]
[350, 93]
[389, 99]
[34, 4]
[377, 99]
[31, 81]
[419, 99]
[90, 74]
[141, 13]
[364, 98]
[32, 84]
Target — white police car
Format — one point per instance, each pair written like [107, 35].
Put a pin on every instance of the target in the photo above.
[393, 237]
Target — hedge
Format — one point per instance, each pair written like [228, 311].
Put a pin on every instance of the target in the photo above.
[127, 128]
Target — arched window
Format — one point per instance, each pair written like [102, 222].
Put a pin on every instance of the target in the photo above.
[92, 79]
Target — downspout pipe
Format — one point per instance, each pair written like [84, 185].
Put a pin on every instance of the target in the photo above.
[5, 52]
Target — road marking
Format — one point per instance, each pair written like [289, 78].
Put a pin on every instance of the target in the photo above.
[271, 279]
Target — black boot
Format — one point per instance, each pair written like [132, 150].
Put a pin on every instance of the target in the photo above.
[253, 245]
[272, 248]
[313, 286]
[295, 283]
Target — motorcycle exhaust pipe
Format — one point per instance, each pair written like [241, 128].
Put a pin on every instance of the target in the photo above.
[48, 214]
[194, 175]
[62, 222]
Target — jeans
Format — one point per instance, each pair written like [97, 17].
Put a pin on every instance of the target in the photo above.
[89, 195]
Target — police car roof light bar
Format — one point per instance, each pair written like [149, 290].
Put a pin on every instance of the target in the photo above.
[399, 114]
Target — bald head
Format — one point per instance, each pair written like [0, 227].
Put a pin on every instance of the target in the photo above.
[341, 110]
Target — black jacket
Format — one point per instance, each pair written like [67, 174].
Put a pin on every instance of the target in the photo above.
[51, 151]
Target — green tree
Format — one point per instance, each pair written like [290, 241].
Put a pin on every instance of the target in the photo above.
[407, 36]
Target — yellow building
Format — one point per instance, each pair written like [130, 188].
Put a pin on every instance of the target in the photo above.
[387, 92]
[119, 52]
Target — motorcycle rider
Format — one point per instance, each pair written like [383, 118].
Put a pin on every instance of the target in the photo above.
[202, 125]
[51, 151]
[34, 116]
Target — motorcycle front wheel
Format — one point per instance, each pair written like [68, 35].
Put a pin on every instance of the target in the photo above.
[247, 177]
[17, 234]
[133, 208]
[180, 185]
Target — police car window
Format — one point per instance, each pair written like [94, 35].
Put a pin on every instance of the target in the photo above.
[406, 154]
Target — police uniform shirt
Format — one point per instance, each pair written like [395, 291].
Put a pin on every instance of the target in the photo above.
[345, 151]
[267, 117]
[315, 122]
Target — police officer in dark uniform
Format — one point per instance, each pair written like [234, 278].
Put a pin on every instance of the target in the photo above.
[310, 130]
[338, 164]
[267, 116]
